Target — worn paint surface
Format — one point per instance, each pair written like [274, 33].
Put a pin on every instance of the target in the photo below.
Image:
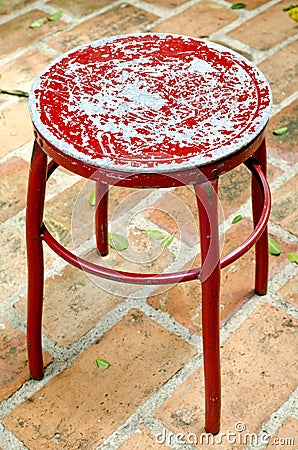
[150, 102]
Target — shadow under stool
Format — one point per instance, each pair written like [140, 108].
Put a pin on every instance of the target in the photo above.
[150, 111]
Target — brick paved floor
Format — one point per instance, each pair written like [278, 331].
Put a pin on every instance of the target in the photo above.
[151, 396]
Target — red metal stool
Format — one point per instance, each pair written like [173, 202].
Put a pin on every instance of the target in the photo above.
[151, 110]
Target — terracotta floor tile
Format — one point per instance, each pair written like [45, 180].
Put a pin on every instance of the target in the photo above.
[260, 31]
[237, 50]
[79, 7]
[85, 299]
[176, 210]
[118, 20]
[73, 210]
[9, 6]
[142, 439]
[19, 73]
[289, 291]
[13, 174]
[143, 255]
[72, 305]
[284, 210]
[258, 373]
[169, 4]
[234, 187]
[17, 33]
[287, 435]
[13, 362]
[13, 272]
[284, 146]
[282, 76]
[183, 301]
[15, 119]
[59, 210]
[200, 19]
[84, 404]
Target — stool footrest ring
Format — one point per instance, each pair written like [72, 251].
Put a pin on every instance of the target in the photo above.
[257, 172]
[175, 277]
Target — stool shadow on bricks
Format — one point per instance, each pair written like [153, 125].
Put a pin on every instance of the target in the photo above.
[150, 111]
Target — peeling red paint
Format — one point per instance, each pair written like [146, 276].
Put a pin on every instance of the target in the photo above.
[150, 100]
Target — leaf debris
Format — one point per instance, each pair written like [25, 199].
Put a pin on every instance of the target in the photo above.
[293, 257]
[102, 363]
[274, 247]
[238, 6]
[43, 20]
[237, 218]
[280, 131]
[117, 241]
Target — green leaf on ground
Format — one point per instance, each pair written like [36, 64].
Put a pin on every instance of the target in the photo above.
[288, 8]
[293, 257]
[102, 363]
[91, 200]
[280, 131]
[167, 241]
[154, 234]
[274, 248]
[237, 218]
[238, 6]
[14, 92]
[117, 242]
[39, 22]
[56, 16]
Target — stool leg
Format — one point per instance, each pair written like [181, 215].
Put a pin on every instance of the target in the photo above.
[34, 215]
[101, 218]
[210, 277]
[261, 247]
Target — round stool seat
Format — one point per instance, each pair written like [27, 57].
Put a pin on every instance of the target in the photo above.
[149, 103]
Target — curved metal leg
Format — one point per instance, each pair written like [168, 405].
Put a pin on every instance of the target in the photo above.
[34, 215]
[210, 277]
[101, 218]
[261, 246]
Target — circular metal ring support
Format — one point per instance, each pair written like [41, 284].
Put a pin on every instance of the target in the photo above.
[166, 278]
